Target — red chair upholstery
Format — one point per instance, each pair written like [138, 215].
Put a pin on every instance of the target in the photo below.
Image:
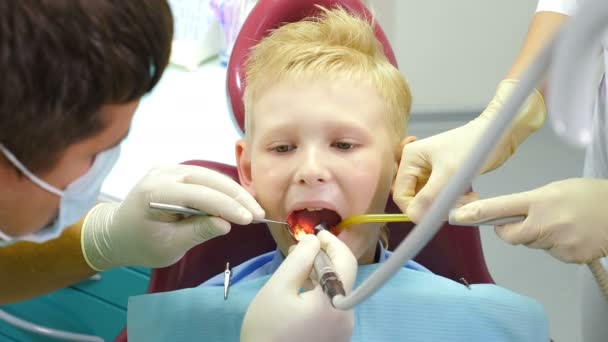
[455, 252]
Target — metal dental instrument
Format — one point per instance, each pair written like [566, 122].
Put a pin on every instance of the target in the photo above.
[189, 211]
[227, 279]
[496, 222]
[326, 274]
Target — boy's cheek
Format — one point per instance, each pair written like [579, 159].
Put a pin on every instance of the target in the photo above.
[268, 199]
[268, 177]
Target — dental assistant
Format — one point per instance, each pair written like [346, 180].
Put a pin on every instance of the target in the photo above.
[566, 218]
[73, 73]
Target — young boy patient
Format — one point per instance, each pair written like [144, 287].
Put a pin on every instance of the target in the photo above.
[326, 114]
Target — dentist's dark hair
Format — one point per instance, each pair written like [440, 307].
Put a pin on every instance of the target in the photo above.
[62, 60]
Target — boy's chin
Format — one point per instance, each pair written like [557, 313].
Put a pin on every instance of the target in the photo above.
[357, 243]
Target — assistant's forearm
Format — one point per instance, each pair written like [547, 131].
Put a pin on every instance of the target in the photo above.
[532, 114]
[543, 27]
[29, 269]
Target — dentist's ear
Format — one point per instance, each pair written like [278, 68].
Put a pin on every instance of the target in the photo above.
[243, 165]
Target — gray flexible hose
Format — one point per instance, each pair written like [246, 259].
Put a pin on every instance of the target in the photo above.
[600, 275]
[433, 220]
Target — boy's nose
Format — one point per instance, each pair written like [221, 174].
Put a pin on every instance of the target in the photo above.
[312, 170]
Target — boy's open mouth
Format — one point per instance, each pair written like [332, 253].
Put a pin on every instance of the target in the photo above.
[303, 221]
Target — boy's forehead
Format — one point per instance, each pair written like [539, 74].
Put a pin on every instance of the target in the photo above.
[310, 94]
[291, 102]
[291, 107]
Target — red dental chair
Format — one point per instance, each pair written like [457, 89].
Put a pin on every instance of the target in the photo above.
[455, 252]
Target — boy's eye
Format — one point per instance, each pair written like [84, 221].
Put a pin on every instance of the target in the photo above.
[342, 145]
[283, 148]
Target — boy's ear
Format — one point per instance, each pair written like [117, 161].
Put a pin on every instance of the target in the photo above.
[243, 166]
[407, 140]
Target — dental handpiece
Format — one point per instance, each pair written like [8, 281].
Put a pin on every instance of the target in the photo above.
[326, 274]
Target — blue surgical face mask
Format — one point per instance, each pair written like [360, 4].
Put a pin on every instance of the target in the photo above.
[78, 198]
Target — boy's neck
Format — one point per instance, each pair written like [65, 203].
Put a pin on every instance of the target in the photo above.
[371, 256]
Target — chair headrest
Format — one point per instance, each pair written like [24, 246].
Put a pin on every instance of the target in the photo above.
[268, 15]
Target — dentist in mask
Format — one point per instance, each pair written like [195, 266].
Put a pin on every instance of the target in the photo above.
[566, 218]
[73, 73]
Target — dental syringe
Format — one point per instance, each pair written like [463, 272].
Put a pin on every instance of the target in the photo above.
[326, 274]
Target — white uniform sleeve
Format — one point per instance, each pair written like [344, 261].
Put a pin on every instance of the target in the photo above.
[567, 7]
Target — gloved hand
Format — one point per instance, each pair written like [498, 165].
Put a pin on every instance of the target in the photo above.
[279, 312]
[567, 218]
[427, 165]
[130, 233]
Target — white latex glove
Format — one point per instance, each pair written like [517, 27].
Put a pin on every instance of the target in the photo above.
[568, 218]
[279, 312]
[130, 233]
[427, 165]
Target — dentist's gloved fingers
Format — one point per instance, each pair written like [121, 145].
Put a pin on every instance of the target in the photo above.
[419, 205]
[332, 324]
[541, 241]
[194, 230]
[223, 184]
[311, 281]
[295, 269]
[209, 200]
[405, 187]
[130, 233]
[439, 156]
[494, 208]
[341, 256]
[160, 182]
[411, 177]
[518, 233]
[317, 296]
[467, 198]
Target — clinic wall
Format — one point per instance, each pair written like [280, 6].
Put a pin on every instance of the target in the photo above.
[539, 161]
[454, 53]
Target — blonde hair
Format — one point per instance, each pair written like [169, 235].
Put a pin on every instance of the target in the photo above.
[334, 44]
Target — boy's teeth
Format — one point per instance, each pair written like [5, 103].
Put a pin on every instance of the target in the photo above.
[314, 209]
